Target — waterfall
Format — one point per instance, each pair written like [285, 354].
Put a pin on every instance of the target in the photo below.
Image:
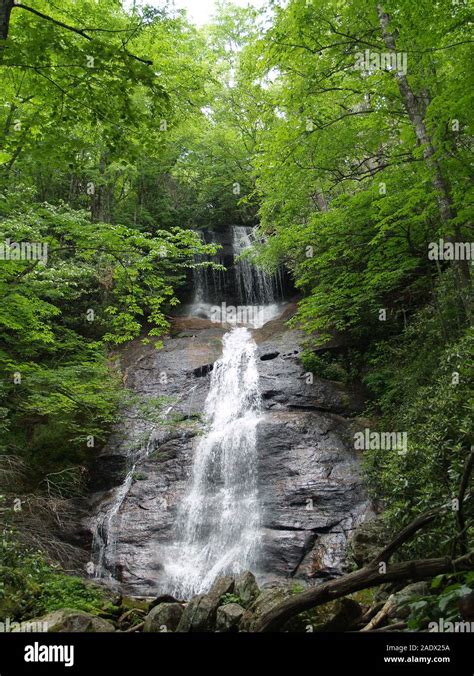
[219, 517]
[108, 526]
[104, 542]
[253, 284]
[200, 281]
[258, 294]
[217, 528]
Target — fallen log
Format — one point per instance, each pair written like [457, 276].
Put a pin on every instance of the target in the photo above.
[369, 576]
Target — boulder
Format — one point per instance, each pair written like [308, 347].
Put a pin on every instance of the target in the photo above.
[69, 620]
[367, 541]
[246, 588]
[164, 617]
[466, 606]
[200, 613]
[130, 602]
[222, 585]
[228, 617]
[263, 603]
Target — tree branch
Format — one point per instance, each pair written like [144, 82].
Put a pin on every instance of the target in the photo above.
[78, 31]
[370, 575]
[404, 535]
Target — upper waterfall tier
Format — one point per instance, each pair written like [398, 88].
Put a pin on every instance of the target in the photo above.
[241, 284]
[255, 287]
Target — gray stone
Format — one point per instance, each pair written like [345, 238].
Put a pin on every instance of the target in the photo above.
[164, 617]
[407, 595]
[222, 585]
[200, 613]
[262, 604]
[228, 617]
[246, 587]
[129, 602]
[338, 615]
[367, 541]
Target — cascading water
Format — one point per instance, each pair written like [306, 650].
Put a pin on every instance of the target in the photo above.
[253, 284]
[108, 526]
[104, 541]
[219, 517]
[258, 295]
[104, 538]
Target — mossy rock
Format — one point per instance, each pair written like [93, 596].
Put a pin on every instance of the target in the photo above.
[131, 602]
[69, 620]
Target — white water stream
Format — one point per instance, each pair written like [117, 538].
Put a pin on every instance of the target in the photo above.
[219, 518]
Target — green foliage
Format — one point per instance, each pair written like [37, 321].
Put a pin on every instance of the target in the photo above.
[86, 121]
[345, 196]
[324, 365]
[425, 389]
[297, 588]
[98, 287]
[443, 601]
[232, 598]
[349, 202]
[30, 586]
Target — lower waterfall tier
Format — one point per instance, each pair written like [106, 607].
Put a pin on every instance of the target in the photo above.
[309, 488]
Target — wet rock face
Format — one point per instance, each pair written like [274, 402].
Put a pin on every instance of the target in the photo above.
[310, 485]
[310, 489]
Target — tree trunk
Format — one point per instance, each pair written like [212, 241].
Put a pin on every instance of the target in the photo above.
[6, 7]
[99, 200]
[415, 111]
[320, 200]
